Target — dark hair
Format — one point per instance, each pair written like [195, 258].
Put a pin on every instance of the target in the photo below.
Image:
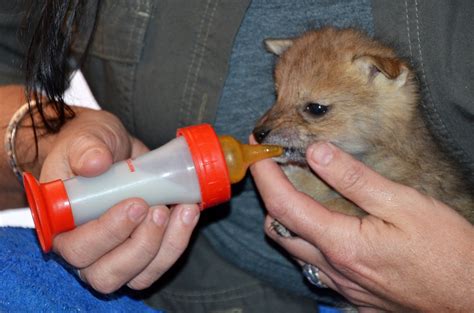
[47, 64]
[51, 25]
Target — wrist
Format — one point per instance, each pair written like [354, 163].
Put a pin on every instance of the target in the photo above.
[33, 141]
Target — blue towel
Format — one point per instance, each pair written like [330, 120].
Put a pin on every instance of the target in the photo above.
[31, 281]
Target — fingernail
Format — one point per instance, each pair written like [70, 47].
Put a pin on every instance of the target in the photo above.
[189, 215]
[136, 212]
[89, 155]
[322, 154]
[159, 217]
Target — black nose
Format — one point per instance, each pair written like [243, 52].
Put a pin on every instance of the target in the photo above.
[260, 133]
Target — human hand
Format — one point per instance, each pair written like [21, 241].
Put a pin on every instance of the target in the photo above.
[410, 253]
[131, 243]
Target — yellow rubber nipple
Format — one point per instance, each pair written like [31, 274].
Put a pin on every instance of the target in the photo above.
[239, 156]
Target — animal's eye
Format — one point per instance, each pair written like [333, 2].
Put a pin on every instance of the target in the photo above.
[316, 109]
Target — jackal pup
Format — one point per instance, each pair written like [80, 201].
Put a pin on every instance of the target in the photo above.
[343, 87]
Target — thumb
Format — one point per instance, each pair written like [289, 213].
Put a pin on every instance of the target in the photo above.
[297, 211]
[355, 181]
[94, 142]
[87, 151]
[84, 155]
[89, 155]
[87, 146]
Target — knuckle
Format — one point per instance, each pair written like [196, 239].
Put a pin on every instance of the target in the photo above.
[101, 283]
[353, 179]
[102, 287]
[343, 260]
[147, 248]
[73, 255]
[356, 297]
[176, 247]
[116, 224]
[339, 262]
[344, 284]
[415, 197]
[113, 233]
[83, 139]
[135, 201]
[140, 283]
[82, 142]
[278, 206]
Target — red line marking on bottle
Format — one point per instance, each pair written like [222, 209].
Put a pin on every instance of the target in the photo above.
[130, 165]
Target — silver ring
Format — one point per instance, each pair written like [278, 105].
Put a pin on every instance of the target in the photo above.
[311, 273]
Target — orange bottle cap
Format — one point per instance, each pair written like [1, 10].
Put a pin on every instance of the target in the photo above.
[209, 163]
[50, 208]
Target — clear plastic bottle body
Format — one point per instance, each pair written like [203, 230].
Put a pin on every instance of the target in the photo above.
[163, 176]
[196, 167]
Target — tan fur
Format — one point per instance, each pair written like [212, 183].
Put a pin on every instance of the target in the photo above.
[373, 114]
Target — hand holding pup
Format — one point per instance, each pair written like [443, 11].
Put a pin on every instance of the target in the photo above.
[411, 252]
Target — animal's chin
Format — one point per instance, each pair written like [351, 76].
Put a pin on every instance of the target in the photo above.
[292, 155]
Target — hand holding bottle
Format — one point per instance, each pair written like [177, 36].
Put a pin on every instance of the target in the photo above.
[131, 243]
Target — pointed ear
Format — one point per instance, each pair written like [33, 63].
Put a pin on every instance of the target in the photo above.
[277, 46]
[392, 68]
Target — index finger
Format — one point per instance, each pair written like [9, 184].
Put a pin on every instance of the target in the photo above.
[87, 243]
[296, 210]
[354, 180]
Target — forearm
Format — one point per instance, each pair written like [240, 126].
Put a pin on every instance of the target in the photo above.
[11, 192]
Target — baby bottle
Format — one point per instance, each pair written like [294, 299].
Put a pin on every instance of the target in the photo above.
[196, 167]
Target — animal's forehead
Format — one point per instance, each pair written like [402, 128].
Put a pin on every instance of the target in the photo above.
[325, 45]
[305, 61]
[329, 47]
[315, 67]
[314, 61]
[321, 60]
